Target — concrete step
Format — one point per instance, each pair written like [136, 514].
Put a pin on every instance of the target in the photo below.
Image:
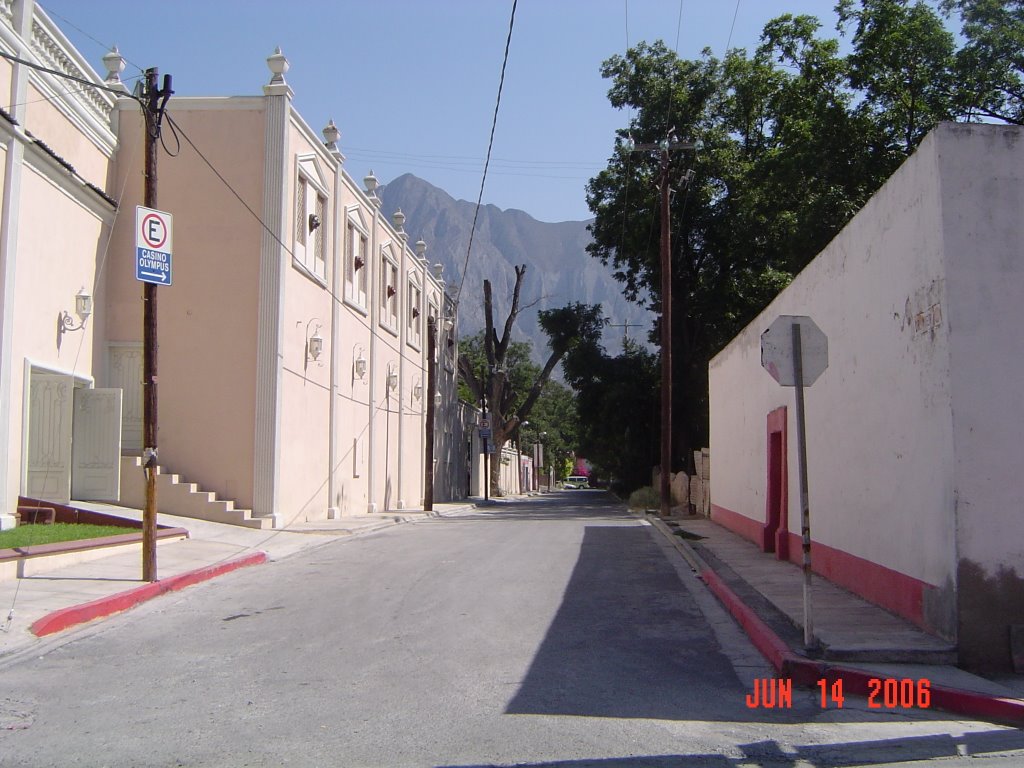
[177, 496]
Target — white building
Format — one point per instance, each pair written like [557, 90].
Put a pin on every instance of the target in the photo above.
[914, 430]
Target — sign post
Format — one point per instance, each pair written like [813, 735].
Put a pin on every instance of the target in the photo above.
[795, 352]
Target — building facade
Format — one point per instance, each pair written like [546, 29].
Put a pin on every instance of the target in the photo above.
[58, 148]
[292, 352]
[913, 429]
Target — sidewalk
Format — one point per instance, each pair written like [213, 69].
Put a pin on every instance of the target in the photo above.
[860, 642]
[50, 601]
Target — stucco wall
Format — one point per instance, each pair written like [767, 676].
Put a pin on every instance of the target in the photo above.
[879, 425]
[983, 204]
[207, 317]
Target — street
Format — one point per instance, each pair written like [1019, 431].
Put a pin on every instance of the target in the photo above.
[554, 631]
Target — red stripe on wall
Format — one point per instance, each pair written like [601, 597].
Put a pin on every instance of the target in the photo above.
[892, 590]
[741, 524]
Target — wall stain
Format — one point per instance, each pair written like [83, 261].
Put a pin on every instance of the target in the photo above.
[988, 605]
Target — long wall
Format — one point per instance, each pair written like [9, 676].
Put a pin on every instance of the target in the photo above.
[879, 420]
[983, 205]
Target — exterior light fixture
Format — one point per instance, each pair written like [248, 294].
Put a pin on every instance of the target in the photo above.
[83, 308]
[437, 398]
[392, 379]
[314, 341]
[359, 364]
[417, 390]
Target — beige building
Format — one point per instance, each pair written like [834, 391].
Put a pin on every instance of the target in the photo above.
[292, 361]
[57, 152]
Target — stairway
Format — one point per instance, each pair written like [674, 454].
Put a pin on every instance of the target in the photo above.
[176, 496]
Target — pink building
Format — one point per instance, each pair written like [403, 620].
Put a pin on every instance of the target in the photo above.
[292, 338]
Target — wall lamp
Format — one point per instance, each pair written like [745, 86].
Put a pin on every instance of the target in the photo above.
[314, 342]
[83, 308]
[392, 378]
[358, 363]
[417, 390]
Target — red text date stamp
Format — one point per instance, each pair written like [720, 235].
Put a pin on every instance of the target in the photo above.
[882, 693]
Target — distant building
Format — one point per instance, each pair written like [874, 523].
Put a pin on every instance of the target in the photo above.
[914, 430]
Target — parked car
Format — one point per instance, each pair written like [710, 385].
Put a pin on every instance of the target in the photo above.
[576, 481]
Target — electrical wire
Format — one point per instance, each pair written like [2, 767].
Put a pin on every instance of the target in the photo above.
[490, 145]
[733, 27]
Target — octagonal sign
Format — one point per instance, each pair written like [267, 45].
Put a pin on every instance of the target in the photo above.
[777, 351]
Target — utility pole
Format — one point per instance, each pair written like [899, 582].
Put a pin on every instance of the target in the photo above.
[156, 101]
[625, 331]
[487, 440]
[665, 148]
[428, 460]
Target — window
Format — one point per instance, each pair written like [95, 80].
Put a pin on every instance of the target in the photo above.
[388, 289]
[414, 323]
[310, 223]
[356, 269]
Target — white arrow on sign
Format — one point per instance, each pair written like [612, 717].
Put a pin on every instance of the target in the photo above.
[161, 276]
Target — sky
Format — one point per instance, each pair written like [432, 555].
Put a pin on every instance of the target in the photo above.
[412, 84]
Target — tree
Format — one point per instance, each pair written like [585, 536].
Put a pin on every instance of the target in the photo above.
[792, 142]
[509, 404]
[990, 67]
[618, 400]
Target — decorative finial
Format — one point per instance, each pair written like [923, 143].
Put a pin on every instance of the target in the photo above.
[331, 135]
[398, 219]
[114, 62]
[278, 65]
[421, 248]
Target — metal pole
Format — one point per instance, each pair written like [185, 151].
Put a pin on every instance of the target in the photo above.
[428, 468]
[805, 510]
[666, 343]
[149, 347]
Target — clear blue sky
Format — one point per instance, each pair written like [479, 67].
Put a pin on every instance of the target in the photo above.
[411, 84]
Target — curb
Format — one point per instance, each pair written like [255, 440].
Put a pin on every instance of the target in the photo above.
[807, 672]
[66, 618]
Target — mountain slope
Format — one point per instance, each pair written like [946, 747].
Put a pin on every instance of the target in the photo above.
[559, 270]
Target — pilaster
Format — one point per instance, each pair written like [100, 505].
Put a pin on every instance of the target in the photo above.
[273, 258]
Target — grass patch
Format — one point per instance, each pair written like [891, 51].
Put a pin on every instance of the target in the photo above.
[32, 535]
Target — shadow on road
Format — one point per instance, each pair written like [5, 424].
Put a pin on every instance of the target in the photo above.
[559, 505]
[628, 641]
[770, 754]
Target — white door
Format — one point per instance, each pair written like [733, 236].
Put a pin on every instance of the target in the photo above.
[96, 445]
[126, 373]
[48, 471]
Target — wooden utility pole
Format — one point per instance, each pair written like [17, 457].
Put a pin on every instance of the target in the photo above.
[428, 460]
[156, 100]
[666, 339]
[665, 148]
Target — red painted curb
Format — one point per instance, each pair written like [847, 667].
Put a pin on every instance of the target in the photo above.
[65, 618]
[767, 642]
[807, 672]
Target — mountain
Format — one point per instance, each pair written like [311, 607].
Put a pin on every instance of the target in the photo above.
[558, 268]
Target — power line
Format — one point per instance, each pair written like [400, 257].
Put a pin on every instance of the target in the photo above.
[733, 27]
[490, 145]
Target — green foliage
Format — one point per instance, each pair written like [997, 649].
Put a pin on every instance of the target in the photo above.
[792, 140]
[990, 66]
[644, 498]
[617, 400]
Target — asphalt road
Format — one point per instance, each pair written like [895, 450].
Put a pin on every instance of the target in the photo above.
[553, 632]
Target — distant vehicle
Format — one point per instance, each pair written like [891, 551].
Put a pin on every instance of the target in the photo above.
[576, 481]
